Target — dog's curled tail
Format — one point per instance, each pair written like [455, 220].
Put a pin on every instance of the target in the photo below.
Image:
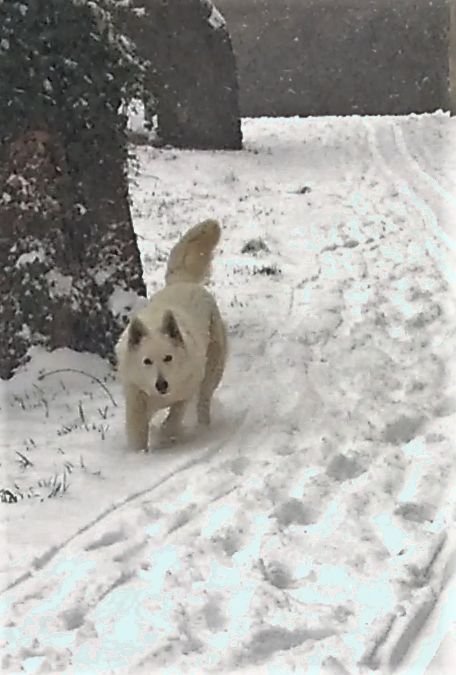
[190, 259]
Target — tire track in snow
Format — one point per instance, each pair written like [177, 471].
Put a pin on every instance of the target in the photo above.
[435, 205]
[424, 160]
[424, 178]
[395, 643]
[387, 153]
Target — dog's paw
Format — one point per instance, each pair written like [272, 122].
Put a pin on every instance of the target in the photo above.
[166, 443]
[137, 443]
[169, 435]
[137, 448]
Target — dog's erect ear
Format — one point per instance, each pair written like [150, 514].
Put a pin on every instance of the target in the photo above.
[170, 327]
[136, 332]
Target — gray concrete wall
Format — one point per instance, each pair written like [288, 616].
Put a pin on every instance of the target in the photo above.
[452, 56]
[341, 57]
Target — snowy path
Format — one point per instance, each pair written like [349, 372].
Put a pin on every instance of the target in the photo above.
[308, 530]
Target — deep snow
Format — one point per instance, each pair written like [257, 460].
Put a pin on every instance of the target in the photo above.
[311, 529]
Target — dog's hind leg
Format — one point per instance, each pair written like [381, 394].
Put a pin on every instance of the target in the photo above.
[136, 418]
[215, 365]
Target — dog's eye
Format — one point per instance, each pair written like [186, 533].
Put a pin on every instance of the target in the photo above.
[147, 362]
[168, 358]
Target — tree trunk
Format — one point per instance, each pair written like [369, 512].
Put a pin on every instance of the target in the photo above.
[70, 264]
[192, 73]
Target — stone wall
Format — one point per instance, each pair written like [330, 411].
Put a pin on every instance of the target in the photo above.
[341, 57]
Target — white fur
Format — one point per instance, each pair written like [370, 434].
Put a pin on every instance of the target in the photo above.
[182, 321]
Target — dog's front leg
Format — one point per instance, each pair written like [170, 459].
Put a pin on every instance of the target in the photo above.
[172, 426]
[137, 418]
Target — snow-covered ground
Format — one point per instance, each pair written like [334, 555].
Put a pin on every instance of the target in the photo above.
[310, 530]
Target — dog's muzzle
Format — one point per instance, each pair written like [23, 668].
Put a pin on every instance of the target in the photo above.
[161, 385]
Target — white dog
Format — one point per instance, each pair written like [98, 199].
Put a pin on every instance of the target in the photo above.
[174, 348]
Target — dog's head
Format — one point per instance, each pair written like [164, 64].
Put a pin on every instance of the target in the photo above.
[160, 360]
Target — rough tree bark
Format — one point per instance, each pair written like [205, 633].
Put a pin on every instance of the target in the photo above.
[70, 264]
[192, 74]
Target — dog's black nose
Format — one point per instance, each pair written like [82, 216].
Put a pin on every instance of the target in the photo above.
[161, 385]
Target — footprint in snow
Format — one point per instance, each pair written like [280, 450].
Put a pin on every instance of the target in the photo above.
[294, 512]
[445, 407]
[73, 618]
[277, 574]
[231, 541]
[236, 466]
[213, 615]
[342, 468]
[426, 316]
[417, 513]
[403, 430]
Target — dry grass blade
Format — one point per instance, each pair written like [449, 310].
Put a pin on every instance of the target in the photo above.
[80, 372]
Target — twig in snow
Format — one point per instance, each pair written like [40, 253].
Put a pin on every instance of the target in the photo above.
[43, 399]
[104, 412]
[23, 460]
[7, 496]
[19, 400]
[81, 413]
[80, 372]
[59, 484]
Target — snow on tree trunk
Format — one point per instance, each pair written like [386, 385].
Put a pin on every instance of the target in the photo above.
[71, 269]
[192, 74]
